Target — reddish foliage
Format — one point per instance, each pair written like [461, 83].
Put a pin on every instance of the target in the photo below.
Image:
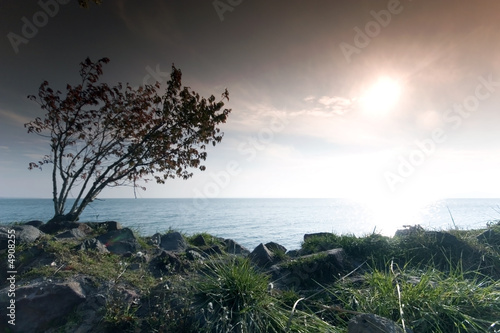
[110, 136]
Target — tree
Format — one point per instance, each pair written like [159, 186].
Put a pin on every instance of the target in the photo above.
[114, 136]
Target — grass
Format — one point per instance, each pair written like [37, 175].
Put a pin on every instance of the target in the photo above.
[371, 246]
[102, 266]
[232, 296]
[209, 239]
[422, 281]
[427, 301]
[438, 249]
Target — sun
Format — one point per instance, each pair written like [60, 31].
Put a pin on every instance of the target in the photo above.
[381, 96]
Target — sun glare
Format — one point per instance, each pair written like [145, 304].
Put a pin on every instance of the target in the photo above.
[390, 211]
[381, 97]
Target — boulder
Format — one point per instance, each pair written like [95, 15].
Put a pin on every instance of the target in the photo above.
[293, 253]
[370, 323]
[317, 234]
[30, 258]
[92, 244]
[454, 246]
[82, 231]
[42, 305]
[34, 223]
[172, 241]
[199, 241]
[164, 263]
[24, 234]
[490, 236]
[233, 247]
[214, 249]
[305, 271]
[55, 226]
[104, 226]
[409, 230]
[275, 247]
[192, 254]
[262, 256]
[119, 241]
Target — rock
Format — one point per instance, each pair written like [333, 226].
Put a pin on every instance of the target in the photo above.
[41, 305]
[164, 263]
[409, 230]
[105, 226]
[214, 249]
[305, 271]
[193, 255]
[82, 231]
[32, 257]
[451, 242]
[24, 234]
[233, 247]
[262, 256]
[55, 226]
[119, 241]
[92, 244]
[199, 241]
[293, 253]
[172, 241]
[275, 247]
[34, 223]
[317, 234]
[370, 323]
[490, 236]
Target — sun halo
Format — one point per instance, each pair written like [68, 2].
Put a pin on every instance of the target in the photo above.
[381, 97]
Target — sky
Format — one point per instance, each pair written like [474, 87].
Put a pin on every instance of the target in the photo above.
[393, 101]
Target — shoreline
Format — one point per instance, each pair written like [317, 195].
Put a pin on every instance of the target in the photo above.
[77, 262]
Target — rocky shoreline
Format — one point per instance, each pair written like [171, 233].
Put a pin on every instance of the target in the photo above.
[100, 277]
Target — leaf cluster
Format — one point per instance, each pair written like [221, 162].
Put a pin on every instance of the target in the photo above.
[102, 135]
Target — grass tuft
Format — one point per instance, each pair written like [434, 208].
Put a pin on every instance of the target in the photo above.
[429, 301]
[232, 296]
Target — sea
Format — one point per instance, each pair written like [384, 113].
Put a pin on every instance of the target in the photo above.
[254, 221]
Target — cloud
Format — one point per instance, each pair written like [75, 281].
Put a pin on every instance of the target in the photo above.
[34, 157]
[326, 105]
[139, 18]
[257, 117]
[14, 117]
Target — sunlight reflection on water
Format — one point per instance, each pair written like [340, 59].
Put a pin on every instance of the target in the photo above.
[252, 221]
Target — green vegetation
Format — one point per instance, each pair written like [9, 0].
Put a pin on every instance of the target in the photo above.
[233, 296]
[373, 246]
[426, 301]
[422, 280]
[208, 240]
[66, 260]
[418, 248]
